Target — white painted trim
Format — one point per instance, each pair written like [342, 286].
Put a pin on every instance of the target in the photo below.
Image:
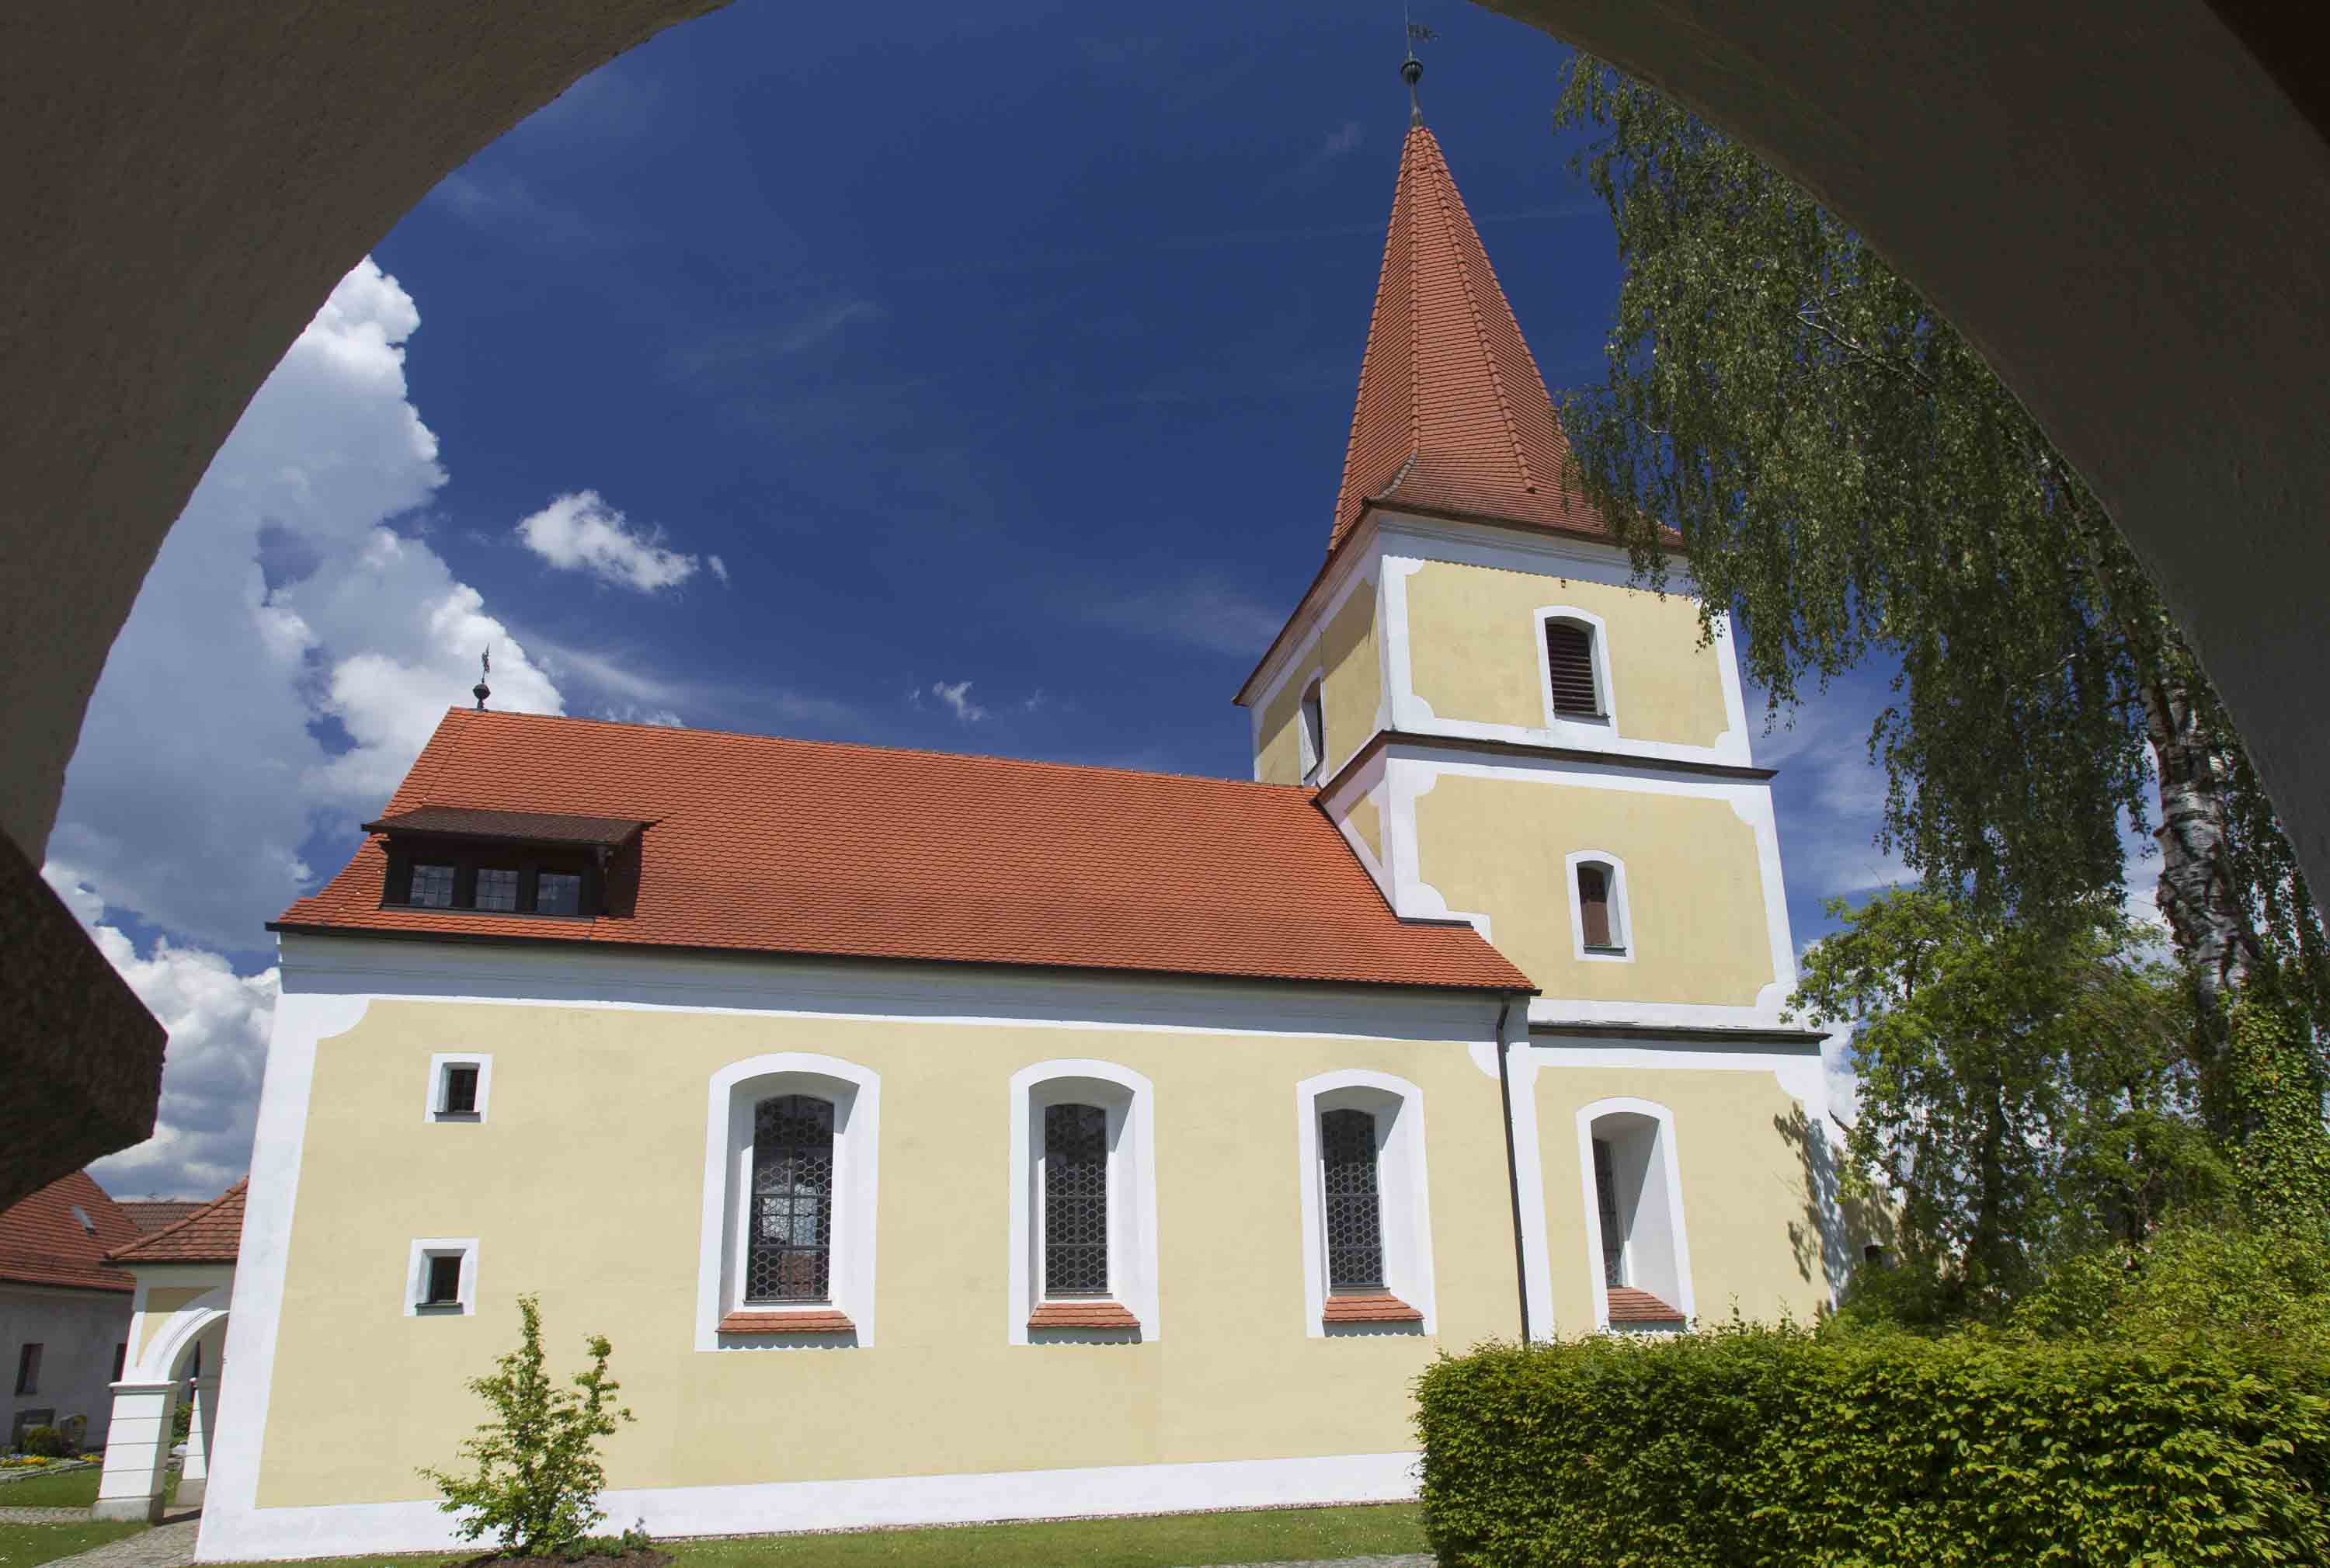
[855, 1094]
[1132, 1180]
[1586, 731]
[588, 974]
[1664, 1139]
[1622, 916]
[435, 1097]
[416, 1275]
[277, 1533]
[158, 1361]
[1364, 783]
[248, 1367]
[1401, 1179]
[1319, 607]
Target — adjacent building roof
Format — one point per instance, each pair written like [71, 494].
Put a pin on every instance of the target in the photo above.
[60, 1236]
[212, 1233]
[152, 1215]
[762, 845]
[1453, 417]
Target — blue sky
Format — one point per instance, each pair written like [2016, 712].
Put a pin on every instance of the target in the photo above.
[970, 382]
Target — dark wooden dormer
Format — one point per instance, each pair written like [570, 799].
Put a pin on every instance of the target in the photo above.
[541, 865]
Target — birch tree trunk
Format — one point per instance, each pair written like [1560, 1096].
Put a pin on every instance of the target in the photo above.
[2199, 895]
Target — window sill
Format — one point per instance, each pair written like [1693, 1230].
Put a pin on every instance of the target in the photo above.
[1592, 951]
[455, 1116]
[1379, 1306]
[816, 1320]
[1631, 1306]
[439, 1309]
[1082, 1315]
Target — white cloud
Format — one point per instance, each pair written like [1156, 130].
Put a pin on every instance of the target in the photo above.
[579, 531]
[1342, 140]
[719, 568]
[956, 696]
[218, 1023]
[1203, 613]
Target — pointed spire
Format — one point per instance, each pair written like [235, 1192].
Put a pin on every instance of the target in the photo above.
[1453, 417]
[485, 667]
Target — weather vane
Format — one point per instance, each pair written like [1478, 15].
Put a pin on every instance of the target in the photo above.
[485, 667]
[1411, 70]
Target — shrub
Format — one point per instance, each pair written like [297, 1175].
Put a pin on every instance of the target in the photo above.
[539, 1478]
[1767, 1447]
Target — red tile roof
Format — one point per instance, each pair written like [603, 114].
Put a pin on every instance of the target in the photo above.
[152, 1215]
[762, 845]
[1379, 1306]
[1082, 1315]
[43, 1242]
[820, 1321]
[212, 1233]
[1628, 1305]
[521, 826]
[1453, 417]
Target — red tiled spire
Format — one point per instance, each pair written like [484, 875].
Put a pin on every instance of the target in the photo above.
[1453, 416]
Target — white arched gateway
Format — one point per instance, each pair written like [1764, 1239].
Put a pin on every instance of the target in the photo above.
[178, 1334]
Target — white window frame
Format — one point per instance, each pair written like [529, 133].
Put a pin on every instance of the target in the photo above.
[732, 1097]
[1655, 1254]
[1622, 909]
[483, 1060]
[1402, 1183]
[1130, 1103]
[1605, 691]
[416, 1275]
[1311, 749]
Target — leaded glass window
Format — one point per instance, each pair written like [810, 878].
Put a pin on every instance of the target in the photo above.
[790, 1254]
[1347, 1153]
[1605, 1197]
[1075, 1200]
[432, 886]
[558, 892]
[497, 890]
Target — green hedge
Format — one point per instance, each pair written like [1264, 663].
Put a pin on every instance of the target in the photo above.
[1782, 1447]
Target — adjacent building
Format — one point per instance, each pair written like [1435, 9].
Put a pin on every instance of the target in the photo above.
[64, 1313]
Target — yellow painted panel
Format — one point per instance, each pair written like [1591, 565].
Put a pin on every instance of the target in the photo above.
[1353, 687]
[585, 1187]
[1471, 640]
[162, 1303]
[1281, 753]
[1749, 1218]
[1499, 847]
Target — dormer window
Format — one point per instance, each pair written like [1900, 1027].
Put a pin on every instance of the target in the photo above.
[507, 863]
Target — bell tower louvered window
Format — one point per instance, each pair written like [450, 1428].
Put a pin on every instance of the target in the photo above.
[1569, 667]
[789, 1255]
[1354, 1204]
[1076, 1201]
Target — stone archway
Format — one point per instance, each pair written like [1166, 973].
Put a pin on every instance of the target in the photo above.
[2056, 177]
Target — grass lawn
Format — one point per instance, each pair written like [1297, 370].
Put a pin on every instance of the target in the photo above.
[1167, 1540]
[72, 1489]
[22, 1546]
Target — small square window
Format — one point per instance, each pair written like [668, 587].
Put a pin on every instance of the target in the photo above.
[558, 892]
[444, 1286]
[460, 1090]
[432, 887]
[497, 889]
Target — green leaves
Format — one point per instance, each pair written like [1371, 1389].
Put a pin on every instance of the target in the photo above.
[538, 1477]
[1788, 1448]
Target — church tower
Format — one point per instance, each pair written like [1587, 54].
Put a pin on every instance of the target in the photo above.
[1506, 732]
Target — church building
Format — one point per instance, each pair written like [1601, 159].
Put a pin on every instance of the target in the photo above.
[947, 1137]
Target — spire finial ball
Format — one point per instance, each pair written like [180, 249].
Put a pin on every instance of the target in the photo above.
[1411, 72]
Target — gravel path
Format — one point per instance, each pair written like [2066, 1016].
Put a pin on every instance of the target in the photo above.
[169, 1545]
[43, 1515]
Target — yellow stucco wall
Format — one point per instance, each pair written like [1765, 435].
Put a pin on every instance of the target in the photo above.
[584, 1187]
[162, 1303]
[1749, 1215]
[1350, 691]
[1471, 639]
[1499, 847]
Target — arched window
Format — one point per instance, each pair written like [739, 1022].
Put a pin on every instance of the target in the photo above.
[789, 1254]
[1366, 1217]
[1353, 1209]
[1084, 1206]
[1634, 1208]
[1313, 734]
[1076, 1201]
[1598, 905]
[791, 1169]
[1572, 671]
